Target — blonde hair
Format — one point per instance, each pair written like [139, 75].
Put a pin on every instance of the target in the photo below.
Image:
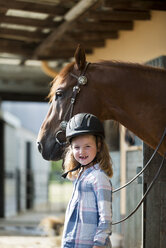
[102, 158]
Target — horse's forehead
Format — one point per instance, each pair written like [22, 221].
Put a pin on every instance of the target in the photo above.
[60, 82]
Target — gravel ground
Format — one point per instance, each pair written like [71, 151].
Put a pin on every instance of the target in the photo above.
[25, 231]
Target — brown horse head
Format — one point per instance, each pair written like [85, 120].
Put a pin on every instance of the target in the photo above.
[132, 94]
[60, 109]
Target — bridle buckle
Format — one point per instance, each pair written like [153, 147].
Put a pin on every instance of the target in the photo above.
[82, 80]
[63, 125]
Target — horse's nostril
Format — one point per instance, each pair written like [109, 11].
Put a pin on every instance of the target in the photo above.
[39, 146]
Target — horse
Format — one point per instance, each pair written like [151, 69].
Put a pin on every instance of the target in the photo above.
[129, 93]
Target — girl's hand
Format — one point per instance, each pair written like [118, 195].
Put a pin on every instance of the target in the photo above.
[98, 246]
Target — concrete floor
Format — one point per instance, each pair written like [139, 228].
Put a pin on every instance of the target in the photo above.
[24, 231]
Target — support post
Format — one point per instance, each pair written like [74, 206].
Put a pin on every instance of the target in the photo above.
[154, 234]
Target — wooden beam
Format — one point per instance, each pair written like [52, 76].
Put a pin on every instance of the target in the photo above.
[94, 35]
[104, 26]
[92, 43]
[60, 54]
[33, 7]
[120, 15]
[16, 47]
[21, 35]
[29, 22]
[26, 50]
[55, 35]
[70, 17]
[2, 11]
[89, 44]
[80, 8]
[132, 4]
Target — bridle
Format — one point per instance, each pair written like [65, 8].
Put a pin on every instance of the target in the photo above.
[81, 81]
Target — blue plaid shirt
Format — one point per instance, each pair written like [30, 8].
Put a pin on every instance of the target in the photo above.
[89, 212]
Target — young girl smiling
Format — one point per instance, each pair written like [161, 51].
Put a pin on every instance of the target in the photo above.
[87, 162]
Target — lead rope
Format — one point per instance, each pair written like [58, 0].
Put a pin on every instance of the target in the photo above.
[146, 193]
[161, 140]
[151, 184]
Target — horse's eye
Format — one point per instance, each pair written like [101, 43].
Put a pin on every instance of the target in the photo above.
[58, 94]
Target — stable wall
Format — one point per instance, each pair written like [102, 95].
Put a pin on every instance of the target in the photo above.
[146, 41]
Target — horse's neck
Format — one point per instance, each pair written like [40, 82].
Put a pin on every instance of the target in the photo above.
[118, 94]
[128, 97]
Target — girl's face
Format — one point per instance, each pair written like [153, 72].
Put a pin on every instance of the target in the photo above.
[84, 148]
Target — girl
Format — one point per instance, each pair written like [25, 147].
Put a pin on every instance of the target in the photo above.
[87, 163]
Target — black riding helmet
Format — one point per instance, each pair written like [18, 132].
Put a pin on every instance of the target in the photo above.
[84, 123]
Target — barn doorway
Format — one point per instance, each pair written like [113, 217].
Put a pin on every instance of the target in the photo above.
[18, 190]
[2, 171]
[29, 177]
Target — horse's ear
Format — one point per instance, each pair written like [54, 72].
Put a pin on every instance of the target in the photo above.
[80, 58]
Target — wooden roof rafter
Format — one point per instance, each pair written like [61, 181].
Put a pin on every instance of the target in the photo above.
[25, 36]
[69, 19]
[97, 24]
[51, 29]
[33, 7]
[16, 47]
[67, 22]
[136, 5]
[119, 15]
[29, 21]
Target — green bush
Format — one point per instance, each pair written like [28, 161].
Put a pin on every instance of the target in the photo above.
[56, 172]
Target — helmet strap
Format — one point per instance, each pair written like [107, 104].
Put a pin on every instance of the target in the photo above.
[64, 175]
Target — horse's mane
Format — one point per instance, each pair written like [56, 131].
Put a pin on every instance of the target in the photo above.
[63, 73]
[130, 65]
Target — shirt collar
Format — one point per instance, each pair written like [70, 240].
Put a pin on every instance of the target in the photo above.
[88, 170]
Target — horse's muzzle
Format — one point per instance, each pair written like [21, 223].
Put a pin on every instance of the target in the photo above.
[53, 152]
